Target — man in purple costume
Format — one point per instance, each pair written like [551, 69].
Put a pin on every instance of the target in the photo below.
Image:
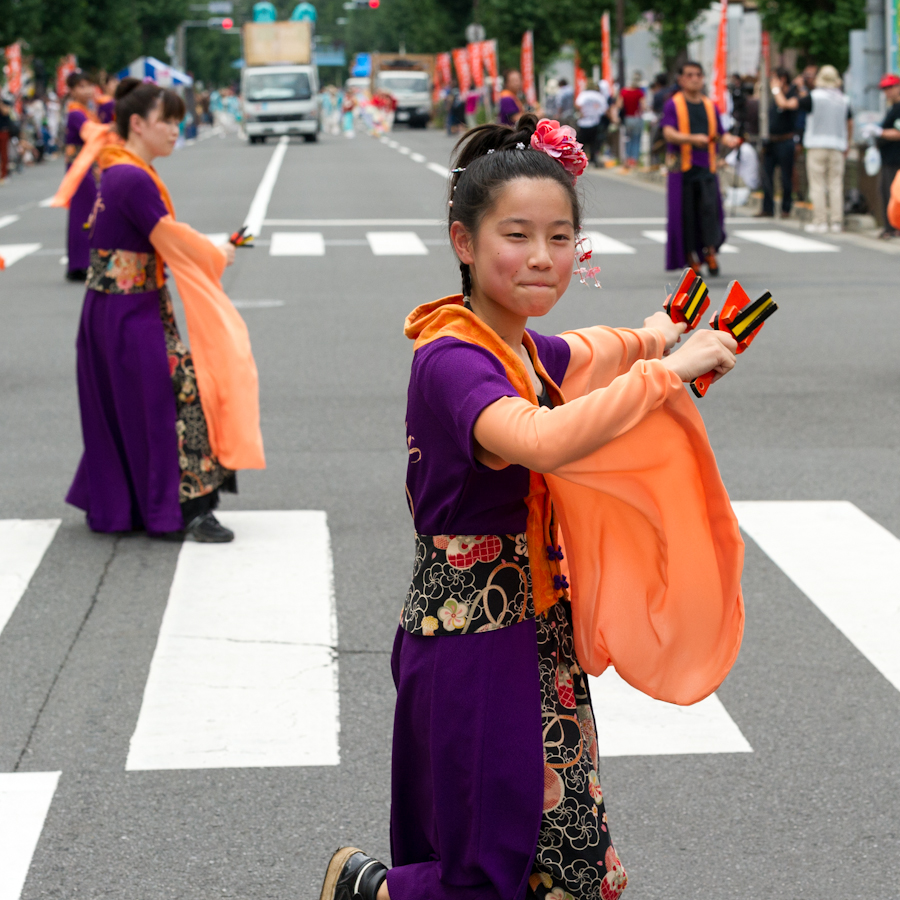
[696, 220]
[81, 93]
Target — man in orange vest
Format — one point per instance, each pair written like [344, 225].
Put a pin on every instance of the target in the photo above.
[692, 129]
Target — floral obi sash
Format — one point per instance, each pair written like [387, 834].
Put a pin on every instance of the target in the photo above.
[123, 272]
[465, 584]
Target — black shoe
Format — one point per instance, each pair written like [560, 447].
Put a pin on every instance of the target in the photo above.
[77, 275]
[712, 263]
[351, 875]
[207, 529]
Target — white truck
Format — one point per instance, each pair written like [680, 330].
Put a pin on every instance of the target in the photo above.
[408, 78]
[279, 82]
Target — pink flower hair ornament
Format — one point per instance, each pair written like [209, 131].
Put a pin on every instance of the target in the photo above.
[559, 142]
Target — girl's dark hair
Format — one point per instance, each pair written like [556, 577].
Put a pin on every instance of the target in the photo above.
[491, 156]
[134, 96]
[73, 79]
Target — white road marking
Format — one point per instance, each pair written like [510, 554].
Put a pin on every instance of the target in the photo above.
[443, 171]
[25, 799]
[260, 204]
[297, 243]
[648, 220]
[351, 223]
[64, 260]
[789, 243]
[23, 543]
[8, 220]
[218, 237]
[45, 204]
[257, 304]
[245, 667]
[12, 253]
[845, 562]
[392, 144]
[632, 724]
[417, 157]
[604, 245]
[396, 243]
[404, 150]
[384, 140]
[660, 238]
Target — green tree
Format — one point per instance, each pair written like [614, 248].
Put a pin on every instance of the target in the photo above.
[819, 29]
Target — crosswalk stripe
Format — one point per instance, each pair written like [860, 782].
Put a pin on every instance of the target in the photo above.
[25, 799]
[217, 237]
[660, 237]
[23, 543]
[846, 564]
[8, 220]
[245, 667]
[297, 243]
[634, 724]
[396, 243]
[12, 253]
[604, 245]
[786, 242]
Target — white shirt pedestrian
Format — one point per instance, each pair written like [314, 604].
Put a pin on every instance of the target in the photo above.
[592, 105]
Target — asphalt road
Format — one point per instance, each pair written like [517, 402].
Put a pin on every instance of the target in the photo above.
[811, 414]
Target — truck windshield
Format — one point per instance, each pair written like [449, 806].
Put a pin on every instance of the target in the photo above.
[277, 86]
[410, 83]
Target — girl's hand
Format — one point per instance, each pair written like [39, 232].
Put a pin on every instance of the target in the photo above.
[228, 250]
[670, 329]
[705, 351]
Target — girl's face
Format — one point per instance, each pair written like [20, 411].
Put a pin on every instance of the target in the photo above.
[523, 255]
[157, 135]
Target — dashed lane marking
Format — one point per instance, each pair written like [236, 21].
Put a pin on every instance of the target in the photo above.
[25, 799]
[443, 171]
[12, 253]
[245, 667]
[296, 243]
[846, 564]
[396, 243]
[8, 220]
[23, 543]
[417, 157]
[604, 245]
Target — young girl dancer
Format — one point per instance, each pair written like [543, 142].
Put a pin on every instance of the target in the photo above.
[158, 447]
[495, 791]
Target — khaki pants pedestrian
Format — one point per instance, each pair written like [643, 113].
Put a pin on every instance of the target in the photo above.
[825, 173]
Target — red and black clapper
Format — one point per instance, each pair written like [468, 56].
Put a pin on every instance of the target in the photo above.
[241, 239]
[742, 319]
[689, 300]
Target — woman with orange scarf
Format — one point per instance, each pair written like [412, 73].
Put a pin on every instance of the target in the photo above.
[81, 95]
[569, 516]
[155, 456]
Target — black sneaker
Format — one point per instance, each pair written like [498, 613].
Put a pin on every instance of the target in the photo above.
[77, 275]
[351, 875]
[207, 529]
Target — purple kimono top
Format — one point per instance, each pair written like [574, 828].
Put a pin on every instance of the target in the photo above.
[130, 210]
[74, 121]
[449, 491]
[699, 124]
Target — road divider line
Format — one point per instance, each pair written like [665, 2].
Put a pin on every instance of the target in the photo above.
[633, 724]
[396, 243]
[352, 223]
[8, 220]
[604, 245]
[245, 667]
[263, 195]
[845, 562]
[786, 242]
[443, 171]
[25, 799]
[297, 243]
[23, 543]
[404, 150]
[12, 253]
[46, 203]
[417, 157]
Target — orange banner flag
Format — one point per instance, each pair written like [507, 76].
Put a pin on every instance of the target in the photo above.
[528, 68]
[606, 52]
[719, 89]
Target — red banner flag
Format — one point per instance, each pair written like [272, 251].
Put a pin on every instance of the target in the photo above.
[445, 75]
[528, 68]
[606, 51]
[13, 70]
[580, 76]
[67, 65]
[461, 64]
[719, 89]
[489, 55]
[476, 64]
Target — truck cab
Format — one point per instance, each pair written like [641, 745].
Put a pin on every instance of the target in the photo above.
[280, 100]
[411, 88]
